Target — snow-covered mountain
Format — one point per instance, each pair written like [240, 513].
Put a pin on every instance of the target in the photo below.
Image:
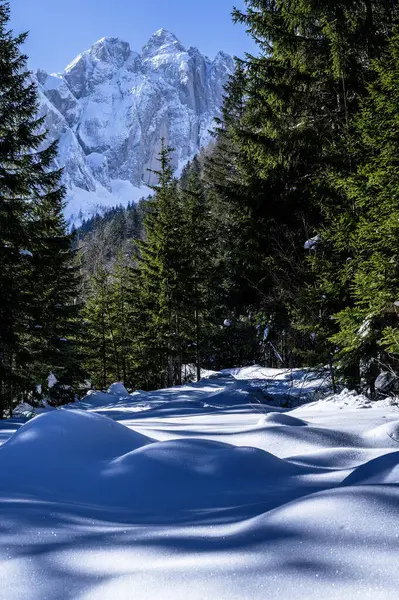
[111, 107]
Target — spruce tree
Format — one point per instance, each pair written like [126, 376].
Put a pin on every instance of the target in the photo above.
[34, 247]
[203, 273]
[161, 263]
[368, 326]
[289, 119]
[100, 358]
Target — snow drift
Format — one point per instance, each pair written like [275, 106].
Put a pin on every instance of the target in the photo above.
[203, 491]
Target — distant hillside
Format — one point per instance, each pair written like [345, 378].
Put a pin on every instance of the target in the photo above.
[102, 237]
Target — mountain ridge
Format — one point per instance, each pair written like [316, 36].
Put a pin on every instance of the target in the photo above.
[111, 106]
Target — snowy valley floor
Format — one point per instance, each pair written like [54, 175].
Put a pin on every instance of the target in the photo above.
[200, 493]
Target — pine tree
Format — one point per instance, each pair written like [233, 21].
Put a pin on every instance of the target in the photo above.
[368, 334]
[240, 251]
[289, 120]
[123, 316]
[54, 285]
[161, 264]
[203, 274]
[34, 248]
[100, 360]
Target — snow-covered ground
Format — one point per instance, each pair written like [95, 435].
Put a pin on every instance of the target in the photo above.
[203, 492]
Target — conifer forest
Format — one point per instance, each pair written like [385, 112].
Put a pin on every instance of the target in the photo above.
[278, 244]
[199, 300]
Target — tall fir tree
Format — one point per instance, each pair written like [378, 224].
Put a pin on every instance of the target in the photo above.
[203, 276]
[99, 348]
[35, 250]
[368, 327]
[162, 262]
[289, 118]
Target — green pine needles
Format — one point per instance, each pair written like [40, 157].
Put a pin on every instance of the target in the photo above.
[38, 283]
[278, 244]
[306, 150]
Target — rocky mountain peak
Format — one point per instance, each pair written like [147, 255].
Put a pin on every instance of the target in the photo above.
[41, 75]
[111, 50]
[111, 107]
[160, 42]
[224, 57]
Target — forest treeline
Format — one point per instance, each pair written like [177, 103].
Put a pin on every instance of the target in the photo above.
[278, 244]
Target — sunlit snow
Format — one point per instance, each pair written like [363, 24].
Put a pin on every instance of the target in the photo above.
[204, 492]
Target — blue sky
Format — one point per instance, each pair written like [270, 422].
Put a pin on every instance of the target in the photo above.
[61, 29]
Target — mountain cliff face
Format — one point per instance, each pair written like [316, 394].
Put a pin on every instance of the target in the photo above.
[111, 107]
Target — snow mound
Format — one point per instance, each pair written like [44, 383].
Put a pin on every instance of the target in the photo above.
[335, 544]
[60, 454]
[23, 408]
[236, 393]
[194, 474]
[333, 459]
[118, 389]
[93, 399]
[117, 394]
[62, 435]
[90, 459]
[381, 470]
[277, 418]
[179, 407]
[217, 375]
[341, 511]
[349, 398]
[388, 432]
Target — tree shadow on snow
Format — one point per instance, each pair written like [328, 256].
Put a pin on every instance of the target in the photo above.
[57, 540]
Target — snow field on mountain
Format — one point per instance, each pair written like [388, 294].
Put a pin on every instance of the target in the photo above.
[205, 492]
[111, 107]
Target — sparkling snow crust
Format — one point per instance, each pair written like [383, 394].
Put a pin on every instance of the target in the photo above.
[203, 492]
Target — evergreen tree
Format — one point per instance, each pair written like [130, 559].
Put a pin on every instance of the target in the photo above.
[36, 291]
[368, 334]
[286, 135]
[162, 262]
[203, 274]
[54, 290]
[100, 356]
[123, 316]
